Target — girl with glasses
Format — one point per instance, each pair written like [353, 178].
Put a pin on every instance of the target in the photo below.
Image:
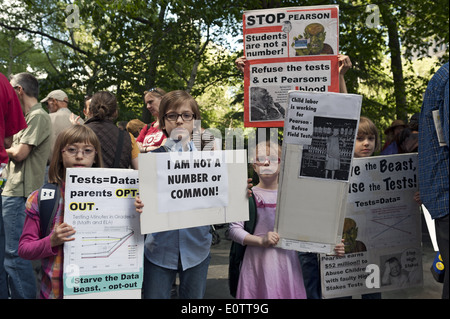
[77, 146]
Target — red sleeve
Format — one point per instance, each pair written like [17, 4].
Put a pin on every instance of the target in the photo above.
[142, 134]
[11, 115]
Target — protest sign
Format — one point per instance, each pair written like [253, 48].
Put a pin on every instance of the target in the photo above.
[106, 258]
[382, 230]
[319, 136]
[287, 49]
[189, 189]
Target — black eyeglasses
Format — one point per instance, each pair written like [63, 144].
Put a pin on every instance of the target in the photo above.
[174, 116]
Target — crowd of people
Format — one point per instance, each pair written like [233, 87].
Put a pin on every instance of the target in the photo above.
[39, 146]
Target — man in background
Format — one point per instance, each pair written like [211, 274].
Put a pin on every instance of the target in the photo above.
[60, 115]
[28, 156]
[434, 160]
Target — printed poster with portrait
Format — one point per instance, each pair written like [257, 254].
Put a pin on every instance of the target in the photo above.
[382, 230]
[319, 135]
[287, 49]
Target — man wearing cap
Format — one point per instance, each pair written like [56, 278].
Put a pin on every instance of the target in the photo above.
[55, 100]
[60, 115]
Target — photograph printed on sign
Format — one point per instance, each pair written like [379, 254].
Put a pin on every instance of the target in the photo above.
[330, 154]
[402, 269]
[263, 107]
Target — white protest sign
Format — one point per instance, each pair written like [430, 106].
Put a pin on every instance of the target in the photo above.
[319, 135]
[382, 230]
[189, 189]
[106, 258]
[302, 74]
[189, 176]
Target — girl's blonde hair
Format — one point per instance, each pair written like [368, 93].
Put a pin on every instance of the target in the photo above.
[156, 92]
[135, 127]
[71, 135]
[367, 127]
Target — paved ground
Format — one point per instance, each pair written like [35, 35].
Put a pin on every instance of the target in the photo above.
[217, 284]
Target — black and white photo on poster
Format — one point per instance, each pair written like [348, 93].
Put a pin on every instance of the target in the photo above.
[306, 220]
[263, 107]
[330, 153]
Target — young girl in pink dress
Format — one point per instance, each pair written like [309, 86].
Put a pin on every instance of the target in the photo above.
[267, 272]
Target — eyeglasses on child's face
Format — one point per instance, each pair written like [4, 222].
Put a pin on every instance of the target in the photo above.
[174, 116]
[261, 160]
[87, 151]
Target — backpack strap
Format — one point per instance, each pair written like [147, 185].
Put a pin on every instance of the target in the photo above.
[237, 251]
[48, 200]
[250, 224]
[120, 141]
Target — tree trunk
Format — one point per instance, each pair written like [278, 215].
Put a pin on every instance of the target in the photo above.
[153, 61]
[396, 63]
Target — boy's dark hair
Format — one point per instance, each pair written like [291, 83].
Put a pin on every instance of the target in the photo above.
[173, 100]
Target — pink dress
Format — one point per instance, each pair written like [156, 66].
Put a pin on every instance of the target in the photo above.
[267, 273]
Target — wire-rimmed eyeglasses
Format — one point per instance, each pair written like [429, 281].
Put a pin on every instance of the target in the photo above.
[73, 151]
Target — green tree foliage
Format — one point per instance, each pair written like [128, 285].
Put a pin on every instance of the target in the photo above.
[130, 46]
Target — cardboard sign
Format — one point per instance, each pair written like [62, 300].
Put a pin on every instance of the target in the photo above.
[106, 258]
[319, 134]
[287, 49]
[189, 189]
[382, 230]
